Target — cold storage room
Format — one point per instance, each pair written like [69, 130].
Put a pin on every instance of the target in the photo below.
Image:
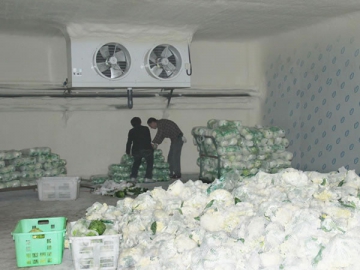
[265, 95]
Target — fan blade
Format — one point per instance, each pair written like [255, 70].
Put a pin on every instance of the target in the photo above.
[172, 60]
[117, 67]
[163, 74]
[153, 57]
[102, 66]
[114, 50]
[120, 56]
[166, 52]
[157, 70]
[168, 71]
[104, 50]
[171, 67]
[116, 72]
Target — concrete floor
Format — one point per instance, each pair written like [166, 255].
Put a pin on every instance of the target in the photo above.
[24, 204]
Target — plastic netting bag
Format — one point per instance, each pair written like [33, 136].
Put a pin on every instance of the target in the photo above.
[127, 160]
[54, 172]
[229, 150]
[47, 166]
[158, 159]
[31, 167]
[277, 132]
[39, 173]
[35, 151]
[158, 153]
[7, 169]
[62, 170]
[59, 163]
[214, 123]
[15, 175]
[113, 174]
[54, 156]
[224, 133]
[13, 183]
[201, 131]
[99, 178]
[120, 167]
[124, 175]
[12, 154]
[121, 179]
[5, 177]
[43, 158]
[162, 165]
[28, 182]
[28, 174]
[22, 161]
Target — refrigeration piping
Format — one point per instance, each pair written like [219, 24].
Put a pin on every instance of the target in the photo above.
[117, 95]
[129, 95]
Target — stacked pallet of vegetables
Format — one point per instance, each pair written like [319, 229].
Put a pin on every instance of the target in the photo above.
[227, 145]
[23, 167]
[121, 172]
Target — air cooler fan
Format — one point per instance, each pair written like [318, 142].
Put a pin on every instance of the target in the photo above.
[112, 61]
[163, 62]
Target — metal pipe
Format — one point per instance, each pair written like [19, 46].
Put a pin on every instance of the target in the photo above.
[77, 95]
[118, 95]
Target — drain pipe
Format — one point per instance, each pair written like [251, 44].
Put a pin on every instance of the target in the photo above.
[130, 97]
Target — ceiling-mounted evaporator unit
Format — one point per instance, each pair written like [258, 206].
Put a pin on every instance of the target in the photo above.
[94, 63]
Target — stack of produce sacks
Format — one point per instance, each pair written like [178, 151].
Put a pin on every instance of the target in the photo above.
[121, 172]
[287, 220]
[225, 145]
[23, 167]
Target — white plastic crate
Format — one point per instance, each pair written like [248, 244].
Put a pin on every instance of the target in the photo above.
[95, 252]
[58, 188]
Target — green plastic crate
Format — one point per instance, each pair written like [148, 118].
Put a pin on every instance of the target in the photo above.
[39, 248]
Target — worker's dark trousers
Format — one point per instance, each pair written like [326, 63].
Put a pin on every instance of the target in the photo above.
[148, 155]
[174, 156]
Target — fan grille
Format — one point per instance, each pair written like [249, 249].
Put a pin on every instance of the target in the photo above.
[112, 60]
[164, 62]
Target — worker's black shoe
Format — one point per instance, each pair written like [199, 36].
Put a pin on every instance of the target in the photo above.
[176, 176]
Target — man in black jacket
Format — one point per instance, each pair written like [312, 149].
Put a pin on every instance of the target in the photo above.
[168, 129]
[140, 139]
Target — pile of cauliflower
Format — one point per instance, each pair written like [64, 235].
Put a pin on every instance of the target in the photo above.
[288, 220]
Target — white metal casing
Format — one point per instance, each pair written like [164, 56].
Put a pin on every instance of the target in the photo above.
[82, 73]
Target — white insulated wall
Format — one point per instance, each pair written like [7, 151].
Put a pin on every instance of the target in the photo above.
[91, 133]
[224, 65]
[32, 60]
[311, 80]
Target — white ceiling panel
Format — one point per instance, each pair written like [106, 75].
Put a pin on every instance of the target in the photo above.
[207, 19]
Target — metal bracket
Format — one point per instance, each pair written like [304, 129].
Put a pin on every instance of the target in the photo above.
[169, 97]
[67, 90]
[130, 98]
